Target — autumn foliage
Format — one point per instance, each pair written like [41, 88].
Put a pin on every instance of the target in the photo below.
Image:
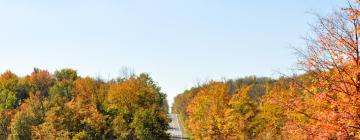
[322, 103]
[65, 106]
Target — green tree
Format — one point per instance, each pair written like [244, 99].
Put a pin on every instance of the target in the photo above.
[66, 75]
[21, 127]
[150, 124]
[11, 91]
[5, 119]
[129, 96]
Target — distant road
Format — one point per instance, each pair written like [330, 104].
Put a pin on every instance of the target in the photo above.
[175, 130]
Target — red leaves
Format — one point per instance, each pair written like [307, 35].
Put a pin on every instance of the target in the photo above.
[41, 80]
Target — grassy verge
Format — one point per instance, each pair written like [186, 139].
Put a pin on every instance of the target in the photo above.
[183, 127]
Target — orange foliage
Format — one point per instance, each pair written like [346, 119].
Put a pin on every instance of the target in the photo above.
[206, 112]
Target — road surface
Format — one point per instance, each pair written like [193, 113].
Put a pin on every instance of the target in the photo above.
[175, 130]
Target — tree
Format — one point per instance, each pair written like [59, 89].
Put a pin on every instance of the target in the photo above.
[66, 106]
[11, 91]
[84, 108]
[240, 115]
[206, 111]
[148, 124]
[40, 80]
[31, 113]
[83, 135]
[66, 75]
[125, 102]
[180, 105]
[65, 83]
[85, 90]
[276, 117]
[332, 59]
[76, 119]
[8, 99]
[62, 89]
[5, 119]
[59, 122]
[21, 127]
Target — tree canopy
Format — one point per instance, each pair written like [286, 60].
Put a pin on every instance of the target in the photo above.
[64, 105]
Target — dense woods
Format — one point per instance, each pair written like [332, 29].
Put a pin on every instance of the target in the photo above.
[322, 103]
[265, 109]
[63, 105]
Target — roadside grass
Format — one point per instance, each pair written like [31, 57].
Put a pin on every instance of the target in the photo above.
[183, 127]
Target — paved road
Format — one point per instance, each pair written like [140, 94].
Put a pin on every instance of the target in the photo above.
[175, 130]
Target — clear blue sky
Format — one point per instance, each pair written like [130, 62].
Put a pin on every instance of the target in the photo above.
[177, 41]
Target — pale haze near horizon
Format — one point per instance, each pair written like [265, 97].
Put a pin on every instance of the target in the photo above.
[178, 42]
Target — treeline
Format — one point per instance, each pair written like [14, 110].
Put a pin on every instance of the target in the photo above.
[232, 109]
[63, 105]
[263, 108]
[322, 103]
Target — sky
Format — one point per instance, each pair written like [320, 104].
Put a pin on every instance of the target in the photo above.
[178, 42]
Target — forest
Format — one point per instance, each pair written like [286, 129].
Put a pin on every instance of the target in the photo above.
[323, 102]
[62, 105]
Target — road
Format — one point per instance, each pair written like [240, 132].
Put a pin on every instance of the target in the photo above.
[175, 130]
